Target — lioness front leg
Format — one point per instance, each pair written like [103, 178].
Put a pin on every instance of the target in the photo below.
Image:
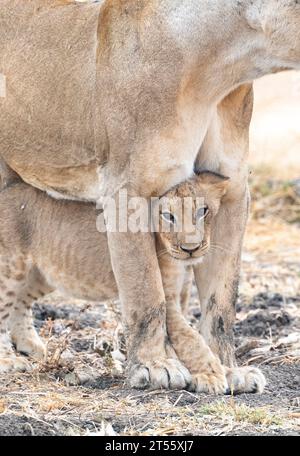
[217, 279]
[208, 374]
[225, 150]
[152, 362]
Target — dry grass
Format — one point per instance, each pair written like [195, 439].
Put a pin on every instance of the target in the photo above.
[281, 197]
[154, 413]
[241, 413]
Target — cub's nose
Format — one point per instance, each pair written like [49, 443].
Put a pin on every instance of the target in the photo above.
[190, 248]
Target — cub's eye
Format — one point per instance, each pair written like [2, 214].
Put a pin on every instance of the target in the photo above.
[202, 212]
[168, 217]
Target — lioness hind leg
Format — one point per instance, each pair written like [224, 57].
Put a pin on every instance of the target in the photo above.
[23, 333]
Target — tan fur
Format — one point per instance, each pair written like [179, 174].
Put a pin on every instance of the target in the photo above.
[47, 244]
[125, 93]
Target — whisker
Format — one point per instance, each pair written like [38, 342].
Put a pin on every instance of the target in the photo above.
[176, 252]
[163, 252]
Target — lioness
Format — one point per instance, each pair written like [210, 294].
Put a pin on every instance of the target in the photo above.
[102, 95]
[47, 244]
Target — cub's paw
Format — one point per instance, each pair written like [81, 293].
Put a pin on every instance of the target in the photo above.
[30, 344]
[12, 364]
[161, 374]
[9, 361]
[245, 380]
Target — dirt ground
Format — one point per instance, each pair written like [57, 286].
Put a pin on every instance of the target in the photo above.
[81, 390]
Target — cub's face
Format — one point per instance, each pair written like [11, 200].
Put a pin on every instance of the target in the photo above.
[186, 216]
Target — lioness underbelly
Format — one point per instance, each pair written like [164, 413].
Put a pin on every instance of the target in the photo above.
[51, 132]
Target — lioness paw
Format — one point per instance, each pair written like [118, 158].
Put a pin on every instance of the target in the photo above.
[160, 374]
[245, 380]
[208, 382]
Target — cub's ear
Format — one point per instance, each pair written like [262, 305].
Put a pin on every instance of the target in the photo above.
[214, 181]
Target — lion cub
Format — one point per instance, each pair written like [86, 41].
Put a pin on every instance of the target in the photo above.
[47, 244]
